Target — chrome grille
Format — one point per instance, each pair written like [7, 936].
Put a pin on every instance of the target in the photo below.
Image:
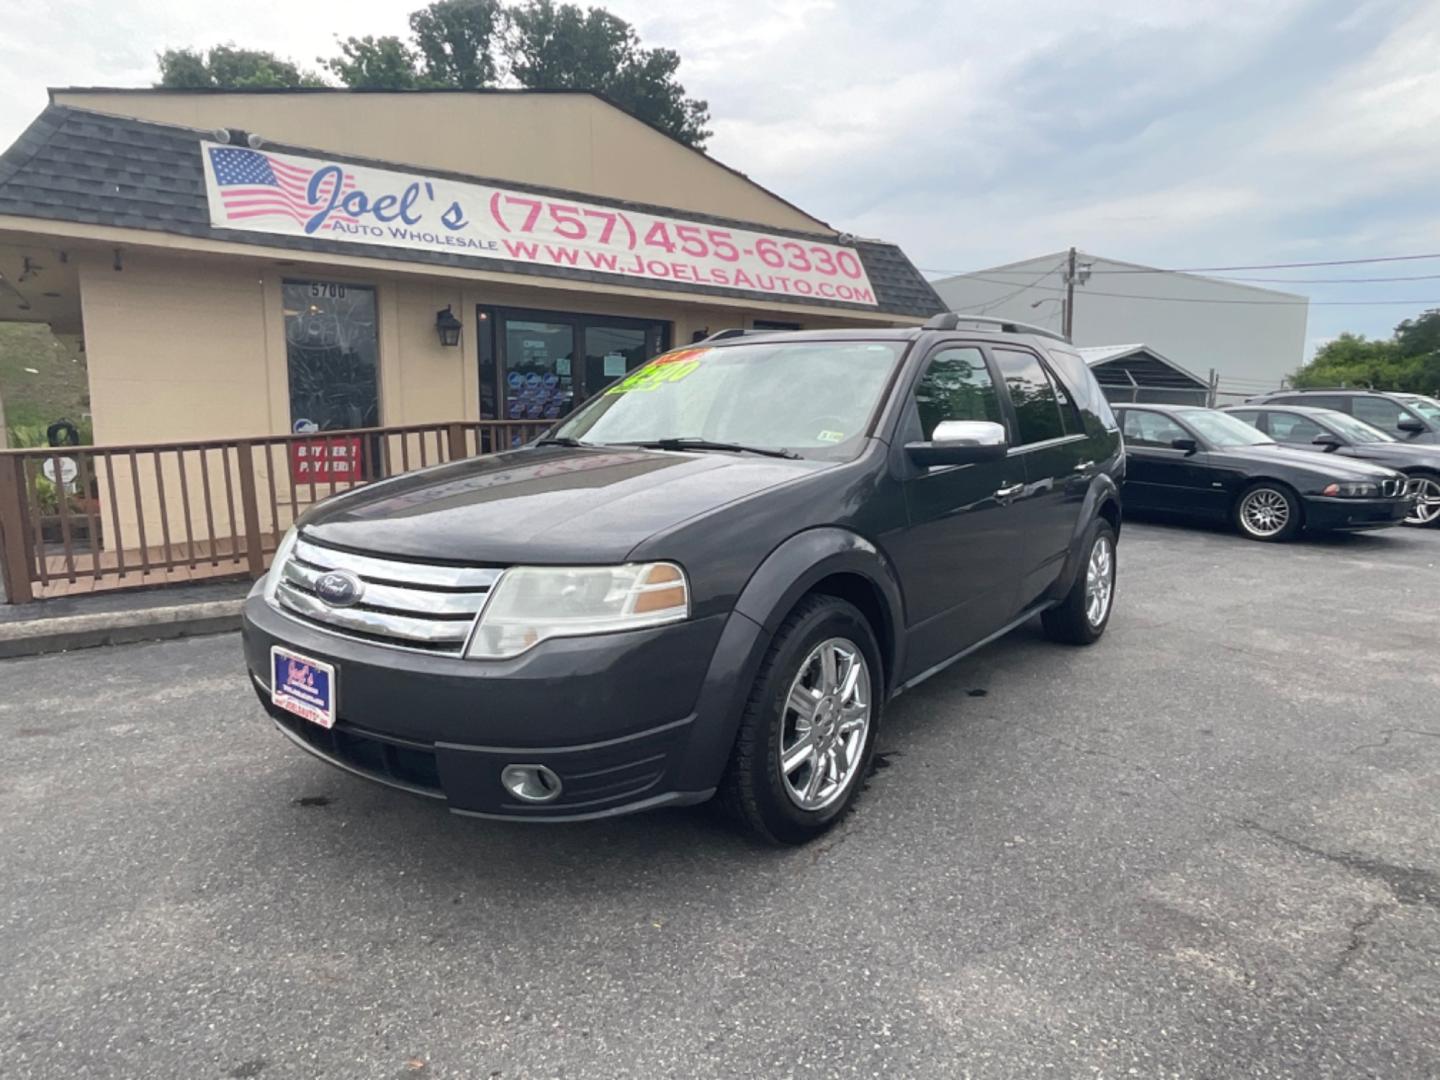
[1393, 489]
[409, 605]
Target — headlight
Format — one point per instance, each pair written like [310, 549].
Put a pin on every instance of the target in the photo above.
[277, 564]
[532, 603]
[1353, 491]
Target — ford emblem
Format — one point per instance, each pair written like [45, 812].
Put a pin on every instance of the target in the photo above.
[339, 588]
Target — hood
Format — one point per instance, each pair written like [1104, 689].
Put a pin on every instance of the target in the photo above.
[1404, 455]
[1332, 465]
[543, 504]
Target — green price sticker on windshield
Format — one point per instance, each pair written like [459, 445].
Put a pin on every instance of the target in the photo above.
[667, 369]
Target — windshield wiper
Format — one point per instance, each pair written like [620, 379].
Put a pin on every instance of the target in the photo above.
[689, 443]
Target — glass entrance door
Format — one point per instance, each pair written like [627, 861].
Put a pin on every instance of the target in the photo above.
[538, 365]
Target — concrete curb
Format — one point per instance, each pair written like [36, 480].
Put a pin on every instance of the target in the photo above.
[62, 633]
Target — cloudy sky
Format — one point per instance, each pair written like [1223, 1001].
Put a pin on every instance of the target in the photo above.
[1178, 133]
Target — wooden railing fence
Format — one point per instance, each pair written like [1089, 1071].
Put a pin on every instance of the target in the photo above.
[89, 518]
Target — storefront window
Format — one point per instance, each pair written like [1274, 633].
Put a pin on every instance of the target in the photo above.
[539, 365]
[333, 349]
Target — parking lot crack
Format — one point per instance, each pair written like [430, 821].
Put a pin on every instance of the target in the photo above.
[1410, 885]
[1388, 735]
[1357, 936]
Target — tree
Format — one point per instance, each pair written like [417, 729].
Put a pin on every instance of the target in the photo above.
[562, 47]
[370, 63]
[226, 67]
[475, 44]
[457, 41]
[1410, 361]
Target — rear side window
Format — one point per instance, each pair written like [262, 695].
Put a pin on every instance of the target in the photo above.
[956, 386]
[1150, 429]
[1250, 416]
[1036, 400]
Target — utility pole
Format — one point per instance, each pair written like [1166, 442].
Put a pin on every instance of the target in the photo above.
[1068, 315]
[1076, 273]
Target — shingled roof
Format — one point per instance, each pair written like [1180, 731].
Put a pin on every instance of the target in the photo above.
[74, 165]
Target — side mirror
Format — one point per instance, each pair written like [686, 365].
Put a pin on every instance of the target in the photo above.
[1410, 424]
[960, 442]
[1188, 445]
[1328, 440]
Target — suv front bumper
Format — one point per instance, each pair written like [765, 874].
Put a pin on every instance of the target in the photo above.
[627, 721]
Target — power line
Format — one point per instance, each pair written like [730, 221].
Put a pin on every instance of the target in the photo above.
[988, 304]
[1218, 269]
[1216, 300]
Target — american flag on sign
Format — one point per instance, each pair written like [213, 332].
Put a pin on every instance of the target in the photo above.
[253, 184]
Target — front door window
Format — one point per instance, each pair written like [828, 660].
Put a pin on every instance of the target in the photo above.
[539, 369]
[537, 366]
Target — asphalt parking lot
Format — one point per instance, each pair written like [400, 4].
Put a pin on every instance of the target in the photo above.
[1205, 847]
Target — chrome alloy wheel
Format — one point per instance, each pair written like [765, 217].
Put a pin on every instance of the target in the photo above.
[1099, 580]
[1265, 512]
[1427, 502]
[826, 722]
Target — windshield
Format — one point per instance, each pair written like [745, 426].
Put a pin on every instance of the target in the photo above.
[1427, 407]
[813, 398]
[1357, 431]
[1222, 430]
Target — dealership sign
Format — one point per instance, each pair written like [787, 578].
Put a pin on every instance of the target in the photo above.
[264, 192]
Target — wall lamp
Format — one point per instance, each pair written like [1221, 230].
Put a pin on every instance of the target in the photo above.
[448, 327]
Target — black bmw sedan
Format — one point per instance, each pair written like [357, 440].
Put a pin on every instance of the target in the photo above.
[1208, 464]
[1328, 431]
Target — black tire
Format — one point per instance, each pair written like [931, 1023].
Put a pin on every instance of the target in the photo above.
[753, 790]
[1268, 493]
[1429, 489]
[1071, 622]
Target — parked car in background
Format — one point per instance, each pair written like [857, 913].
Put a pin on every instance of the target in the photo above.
[1408, 417]
[1205, 463]
[1326, 431]
[708, 579]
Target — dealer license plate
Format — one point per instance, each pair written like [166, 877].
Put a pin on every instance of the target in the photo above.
[302, 686]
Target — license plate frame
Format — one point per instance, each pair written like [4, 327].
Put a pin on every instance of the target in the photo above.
[303, 686]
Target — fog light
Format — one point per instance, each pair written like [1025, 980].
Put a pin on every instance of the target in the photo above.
[531, 783]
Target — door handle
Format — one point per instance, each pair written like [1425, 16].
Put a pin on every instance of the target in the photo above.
[1009, 492]
[1085, 466]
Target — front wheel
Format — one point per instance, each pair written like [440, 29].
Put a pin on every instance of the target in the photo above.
[808, 731]
[1268, 512]
[1427, 501]
[1082, 616]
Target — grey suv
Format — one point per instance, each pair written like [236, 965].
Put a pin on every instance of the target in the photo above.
[708, 580]
[1410, 417]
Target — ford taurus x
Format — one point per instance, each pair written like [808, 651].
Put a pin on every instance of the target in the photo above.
[708, 580]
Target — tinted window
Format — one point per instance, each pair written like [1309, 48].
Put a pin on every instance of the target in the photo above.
[1382, 412]
[1314, 401]
[1037, 406]
[1150, 429]
[1293, 429]
[332, 350]
[1250, 416]
[956, 386]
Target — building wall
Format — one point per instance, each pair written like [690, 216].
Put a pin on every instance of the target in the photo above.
[571, 141]
[1253, 337]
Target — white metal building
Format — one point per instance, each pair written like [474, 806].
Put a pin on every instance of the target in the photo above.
[1252, 337]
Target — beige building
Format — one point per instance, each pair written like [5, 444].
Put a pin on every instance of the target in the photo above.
[241, 264]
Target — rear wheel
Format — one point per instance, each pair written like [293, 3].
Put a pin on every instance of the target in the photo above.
[1269, 512]
[808, 731]
[1427, 502]
[1082, 616]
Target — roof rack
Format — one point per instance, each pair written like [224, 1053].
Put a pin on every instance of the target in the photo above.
[952, 320]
